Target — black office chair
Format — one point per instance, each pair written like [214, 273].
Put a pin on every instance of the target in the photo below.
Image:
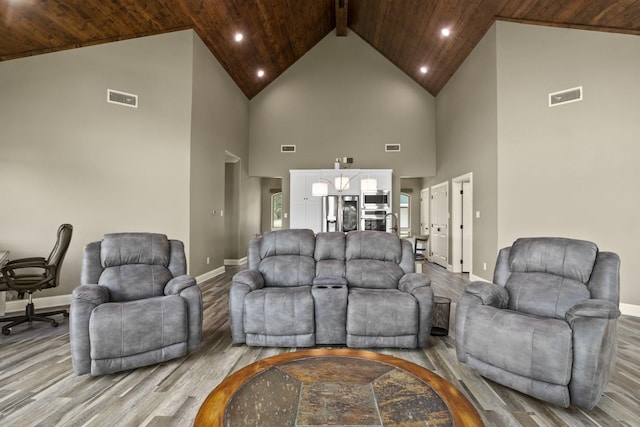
[27, 275]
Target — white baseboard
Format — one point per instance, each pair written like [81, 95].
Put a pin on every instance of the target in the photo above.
[630, 309]
[627, 309]
[475, 278]
[210, 274]
[18, 305]
[235, 261]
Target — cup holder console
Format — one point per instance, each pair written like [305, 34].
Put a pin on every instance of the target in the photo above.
[330, 301]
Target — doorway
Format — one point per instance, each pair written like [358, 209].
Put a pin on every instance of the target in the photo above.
[405, 215]
[231, 207]
[424, 212]
[462, 224]
[439, 228]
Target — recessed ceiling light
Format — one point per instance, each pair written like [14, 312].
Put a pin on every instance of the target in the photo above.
[446, 32]
[238, 37]
[260, 73]
[424, 70]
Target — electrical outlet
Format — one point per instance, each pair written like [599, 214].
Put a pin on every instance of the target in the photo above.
[208, 260]
[213, 212]
[477, 214]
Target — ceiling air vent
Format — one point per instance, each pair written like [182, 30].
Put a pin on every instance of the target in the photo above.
[565, 96]
[392, 148]
[122, 98]
[287, 148]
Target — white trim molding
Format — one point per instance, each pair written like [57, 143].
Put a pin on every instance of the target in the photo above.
[475, 278]
[235, 261]
[18, 305]
[630, 309]
[457, 220]
[210, 275]
[626, 309]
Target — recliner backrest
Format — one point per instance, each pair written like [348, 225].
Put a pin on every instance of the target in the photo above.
[330, 255]
[549, 275]
[286, 257]
[136, 265]
[372, 260]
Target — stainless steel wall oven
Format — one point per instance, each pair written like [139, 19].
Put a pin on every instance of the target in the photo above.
[375, 219]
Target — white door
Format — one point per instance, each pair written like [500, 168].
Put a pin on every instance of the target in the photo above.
[466, 227]
[439, 232]
[424, 212]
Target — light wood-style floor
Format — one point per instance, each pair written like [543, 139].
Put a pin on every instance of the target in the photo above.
[39, 388]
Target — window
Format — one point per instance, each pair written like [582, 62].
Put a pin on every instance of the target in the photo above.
[276, 211]
[405, 214]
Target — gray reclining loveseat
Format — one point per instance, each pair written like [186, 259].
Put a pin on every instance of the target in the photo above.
[357, 289]
[547, 325]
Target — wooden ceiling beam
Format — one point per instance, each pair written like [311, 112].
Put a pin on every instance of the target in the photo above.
[341, 17]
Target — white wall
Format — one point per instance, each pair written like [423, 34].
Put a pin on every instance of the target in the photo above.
[342, 98]
[571, 170]
[466, 115]
[220, 121]
[69, 156]
[66, 155]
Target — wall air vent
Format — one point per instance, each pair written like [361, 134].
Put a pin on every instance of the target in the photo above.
[565, 96]
[287, 148]
[122, 98]
[393, 148]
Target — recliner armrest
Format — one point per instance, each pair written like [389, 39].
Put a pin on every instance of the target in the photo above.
[411, 281]
[252, 278]
[489, 293]
[243, 283]
[85, 298]
[94, 294]
[178, 284]
[593, 308]
[419, 286]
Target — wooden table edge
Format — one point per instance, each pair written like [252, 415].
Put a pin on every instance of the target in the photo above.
[211, 412]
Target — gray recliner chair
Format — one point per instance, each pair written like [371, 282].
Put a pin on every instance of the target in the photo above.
[136, 306]
[547, 326]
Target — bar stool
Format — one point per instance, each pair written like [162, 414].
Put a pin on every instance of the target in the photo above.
[419, 247]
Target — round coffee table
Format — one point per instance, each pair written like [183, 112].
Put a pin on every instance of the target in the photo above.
[335, 387]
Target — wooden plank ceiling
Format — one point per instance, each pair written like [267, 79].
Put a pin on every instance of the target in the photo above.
[278, 32]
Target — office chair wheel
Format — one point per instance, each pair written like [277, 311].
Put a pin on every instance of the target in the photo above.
[66, 314]
[6, 332]
[54, 324]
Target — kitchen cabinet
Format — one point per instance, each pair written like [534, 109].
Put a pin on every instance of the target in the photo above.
[305, 210]
[350, 178]
[384, 178]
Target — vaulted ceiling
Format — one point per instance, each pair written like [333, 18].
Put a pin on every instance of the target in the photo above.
[278, 32]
